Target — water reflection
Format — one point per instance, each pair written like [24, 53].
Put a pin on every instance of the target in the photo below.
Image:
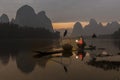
[21, 52]
[111, 50]
[56, 58]
[41, 62]
[65, 62]
[106, 65]
[4, 58]
[117, 43]
[25, 62]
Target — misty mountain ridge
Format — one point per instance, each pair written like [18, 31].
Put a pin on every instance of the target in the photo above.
[27, 25]
[26, 16]
[78, 29]
[4, 18]
[94, 27]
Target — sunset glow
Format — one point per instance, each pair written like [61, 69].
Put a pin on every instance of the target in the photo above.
[60, 25]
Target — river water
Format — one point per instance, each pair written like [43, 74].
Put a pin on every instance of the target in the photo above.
[17, 62]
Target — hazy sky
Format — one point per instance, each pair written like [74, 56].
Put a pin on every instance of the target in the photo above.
[67, 10]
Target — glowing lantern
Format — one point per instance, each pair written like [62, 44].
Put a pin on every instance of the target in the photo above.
[77, 57]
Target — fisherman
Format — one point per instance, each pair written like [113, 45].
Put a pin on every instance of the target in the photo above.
[81, 45]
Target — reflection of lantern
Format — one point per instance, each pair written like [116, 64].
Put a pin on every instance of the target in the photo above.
[81, 56]
[77, 57]
[76, 40]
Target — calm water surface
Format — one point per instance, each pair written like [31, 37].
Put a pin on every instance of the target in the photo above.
[17, 62]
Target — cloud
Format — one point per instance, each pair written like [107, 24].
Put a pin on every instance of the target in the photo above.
[67, 10]
[73, 10]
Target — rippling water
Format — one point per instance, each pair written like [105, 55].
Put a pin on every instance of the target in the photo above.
[17, 62]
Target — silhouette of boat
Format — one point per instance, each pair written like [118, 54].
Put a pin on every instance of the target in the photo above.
[66, 50]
